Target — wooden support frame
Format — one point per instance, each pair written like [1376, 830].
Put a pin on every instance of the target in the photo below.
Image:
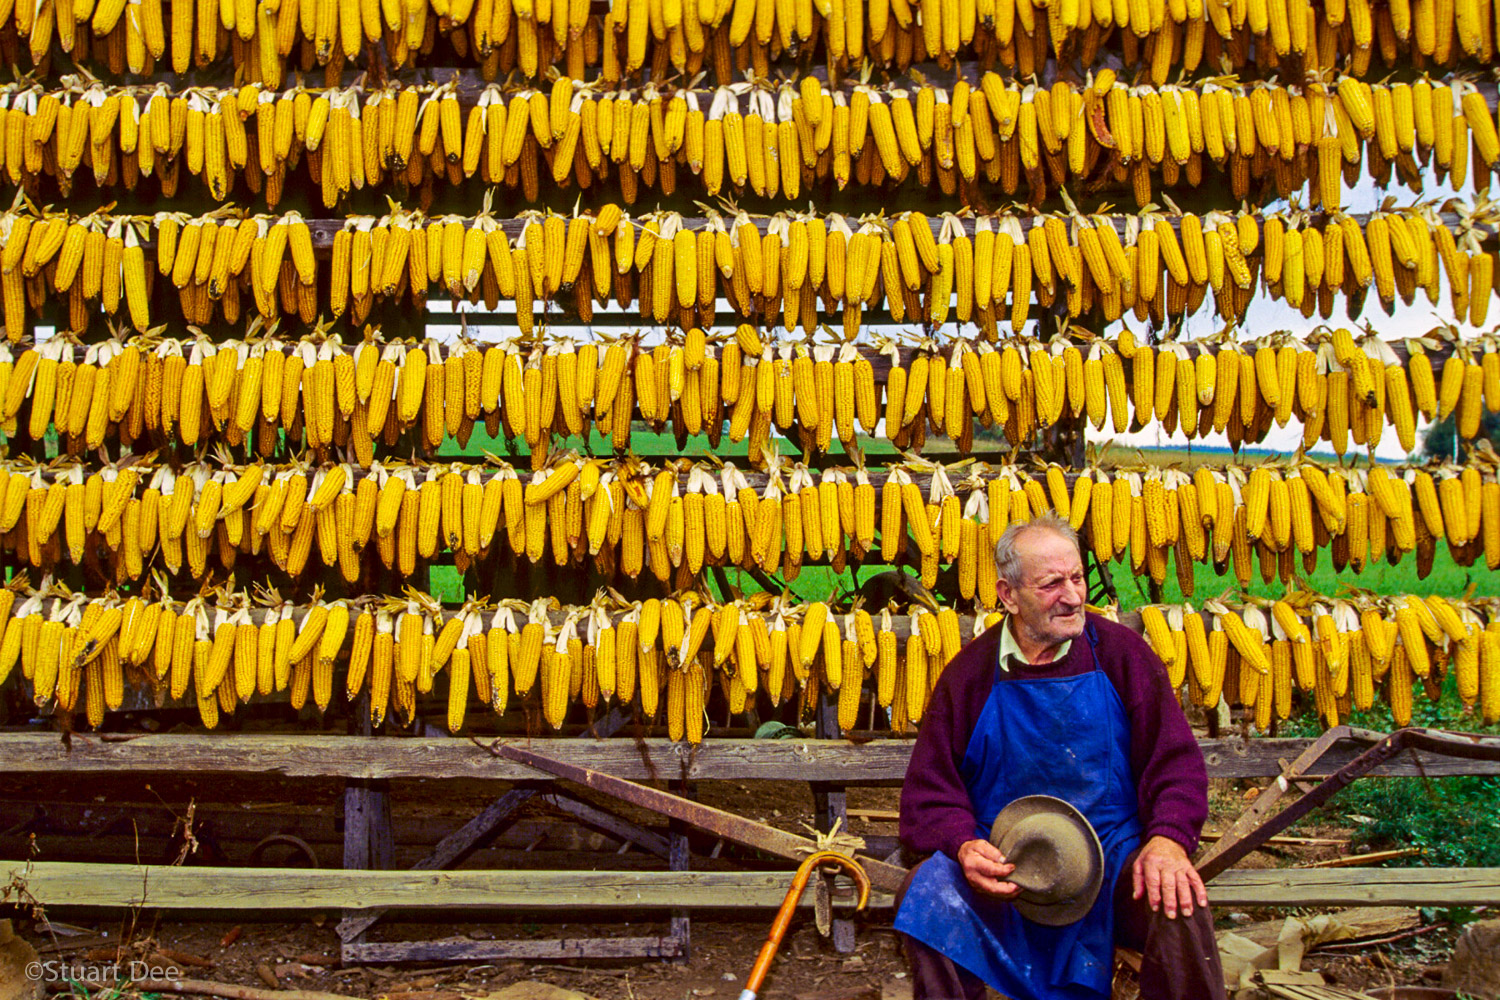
[367, 824]
[63, 884]
[369, 762]
[449, 850]
[461, 842]
[875, 762]
[557, 893]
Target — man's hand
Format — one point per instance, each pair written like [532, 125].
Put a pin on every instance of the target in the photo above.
[1164, 874]
[984, 866]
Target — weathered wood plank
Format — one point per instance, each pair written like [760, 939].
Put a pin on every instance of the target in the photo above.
[206, 888]
[1350, 887]
[840, 761]
[466, 950]
[1265, 758]
[129, 850]
[60, 883]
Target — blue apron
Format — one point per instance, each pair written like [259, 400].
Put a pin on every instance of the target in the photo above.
[1062, 736]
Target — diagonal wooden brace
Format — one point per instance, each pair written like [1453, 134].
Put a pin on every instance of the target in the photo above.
[883, 876]
[1265, 802]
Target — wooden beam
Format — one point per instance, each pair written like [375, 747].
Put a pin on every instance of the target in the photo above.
[876, 762]
[58, 883]
[1356, 887]
[236, 827]
[125, 849]
[466, 950]
[206, 888]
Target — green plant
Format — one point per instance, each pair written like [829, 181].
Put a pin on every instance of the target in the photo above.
[1452, 819]
[1458, 916]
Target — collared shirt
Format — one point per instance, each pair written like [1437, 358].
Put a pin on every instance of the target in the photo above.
[1010, 648]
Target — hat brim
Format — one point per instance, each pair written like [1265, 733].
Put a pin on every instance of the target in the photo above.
[1070, 910]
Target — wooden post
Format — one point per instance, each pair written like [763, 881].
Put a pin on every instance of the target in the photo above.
[830, 805]
[368, 843]
[1104, 592]
[366, 825]
[679, 859]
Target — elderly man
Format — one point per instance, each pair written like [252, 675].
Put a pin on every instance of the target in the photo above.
[1062, 703]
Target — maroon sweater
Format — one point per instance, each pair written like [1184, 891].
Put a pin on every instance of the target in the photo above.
[1171, 780]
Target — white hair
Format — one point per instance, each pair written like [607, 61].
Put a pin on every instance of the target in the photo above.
[1008, 558]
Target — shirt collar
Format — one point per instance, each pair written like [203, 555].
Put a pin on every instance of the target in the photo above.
[1010, 648]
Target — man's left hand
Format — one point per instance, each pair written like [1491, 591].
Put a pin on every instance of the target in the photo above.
[1164, 874]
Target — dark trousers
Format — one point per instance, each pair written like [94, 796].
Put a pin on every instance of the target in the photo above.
[1180, 959]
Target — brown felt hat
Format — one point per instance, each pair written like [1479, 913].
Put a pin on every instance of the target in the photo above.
[1059, 862]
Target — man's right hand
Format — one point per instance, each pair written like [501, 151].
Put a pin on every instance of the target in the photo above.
[984, 867]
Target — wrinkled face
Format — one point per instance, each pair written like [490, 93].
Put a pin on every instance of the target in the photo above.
[1048, 602]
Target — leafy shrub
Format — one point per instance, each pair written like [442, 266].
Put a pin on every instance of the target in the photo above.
[1455, 820]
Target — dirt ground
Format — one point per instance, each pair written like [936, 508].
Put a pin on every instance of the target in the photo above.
[301, 952]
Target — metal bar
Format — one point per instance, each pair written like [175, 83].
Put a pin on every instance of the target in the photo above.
[726, 824]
